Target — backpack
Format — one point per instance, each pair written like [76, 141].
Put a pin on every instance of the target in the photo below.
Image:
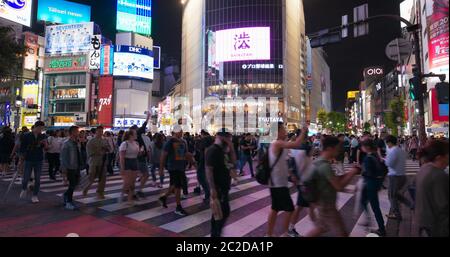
[309, 183]
[264, 169]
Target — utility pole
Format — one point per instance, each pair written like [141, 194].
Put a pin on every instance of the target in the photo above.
[326, 36]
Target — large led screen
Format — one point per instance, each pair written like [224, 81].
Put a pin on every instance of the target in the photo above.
[18, 11]
[69, 39]
[134, 16]
[132, 61]
[63, 12]
[243, 44]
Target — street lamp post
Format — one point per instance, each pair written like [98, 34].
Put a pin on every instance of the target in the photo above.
[18, 104]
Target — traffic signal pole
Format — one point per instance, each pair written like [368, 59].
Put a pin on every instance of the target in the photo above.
[329, 35]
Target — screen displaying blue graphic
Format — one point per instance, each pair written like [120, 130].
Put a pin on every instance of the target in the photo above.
[63, 12]
[134, 16]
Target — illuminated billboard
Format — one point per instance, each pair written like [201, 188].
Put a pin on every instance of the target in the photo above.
[105, 106]
[106, 59]
[18, 11]
[134, 16]
[242, 44]
[438, 35]
[30, 94]
[31, 57]
[63, 12]
[69, 39]
[69, 63]
[130, 61]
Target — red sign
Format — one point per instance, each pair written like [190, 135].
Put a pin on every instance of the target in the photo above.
[438, 35]
[435, 108]
[104, 108]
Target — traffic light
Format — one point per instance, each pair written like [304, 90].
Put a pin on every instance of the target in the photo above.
[442, 92]
[415, 88]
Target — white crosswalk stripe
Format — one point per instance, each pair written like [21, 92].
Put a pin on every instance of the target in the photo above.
[247, 195]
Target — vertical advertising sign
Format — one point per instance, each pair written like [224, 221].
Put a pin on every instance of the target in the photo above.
[30, 94]
[32, 45]
[18, 11]
[438, 34]
[94, 55]
[106, 60]
[134, 16]
[104, 108]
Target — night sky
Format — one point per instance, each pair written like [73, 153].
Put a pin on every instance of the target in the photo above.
[347, 59]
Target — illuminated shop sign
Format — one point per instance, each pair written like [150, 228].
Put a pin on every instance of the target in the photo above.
[66, 64]
[127, 122]
[243, 44]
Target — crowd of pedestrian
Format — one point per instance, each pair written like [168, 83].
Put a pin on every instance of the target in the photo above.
[313, 164]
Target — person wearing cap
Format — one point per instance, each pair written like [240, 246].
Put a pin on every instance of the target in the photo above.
[176, 155]
[218, 158]
[32, 148]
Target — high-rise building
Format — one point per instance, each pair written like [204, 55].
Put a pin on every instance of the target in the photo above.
[320, 85]
[242, 49]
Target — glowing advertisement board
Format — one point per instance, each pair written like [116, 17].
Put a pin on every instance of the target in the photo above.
[70, 63]
[130, 61]
[30, 94]
[31, 57]
[106, 59]
[18, 11]
[438, 35]
[69, 39]
[242, 44]
[134, 16]
[63, 12]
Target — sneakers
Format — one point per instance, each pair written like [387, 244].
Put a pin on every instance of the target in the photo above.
[163, 201]
[159, 185]
[23, 194]
[70, 207]
[293, 233]
[184, 197]
[34, 199]
[379, 233]
[180, 211]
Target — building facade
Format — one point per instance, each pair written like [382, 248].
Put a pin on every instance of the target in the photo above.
[242, 49]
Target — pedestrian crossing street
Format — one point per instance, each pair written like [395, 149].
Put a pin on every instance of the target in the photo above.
[249, 202]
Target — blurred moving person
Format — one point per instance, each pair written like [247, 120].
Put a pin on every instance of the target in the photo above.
[71, 164]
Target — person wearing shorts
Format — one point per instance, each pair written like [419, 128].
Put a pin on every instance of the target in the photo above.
[279, 178]
[175, 154]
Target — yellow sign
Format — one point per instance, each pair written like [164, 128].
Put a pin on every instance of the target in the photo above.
[166, 121]
[352, 94]
[30, 94]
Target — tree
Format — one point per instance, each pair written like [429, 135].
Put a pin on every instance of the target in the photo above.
[322, 118]
[396, 116]
[11, 53]
[336, 122]
[367, 126]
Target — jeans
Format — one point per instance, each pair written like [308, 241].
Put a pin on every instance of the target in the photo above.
[110, 157]
[73, 176]
[244, 159]
[217, 225]
[35, 166]
[370, 195]
[395, 191]
[201, 177]
[153, 172]
[53, 163]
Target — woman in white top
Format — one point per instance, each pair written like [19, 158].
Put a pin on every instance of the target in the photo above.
[129, 150]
